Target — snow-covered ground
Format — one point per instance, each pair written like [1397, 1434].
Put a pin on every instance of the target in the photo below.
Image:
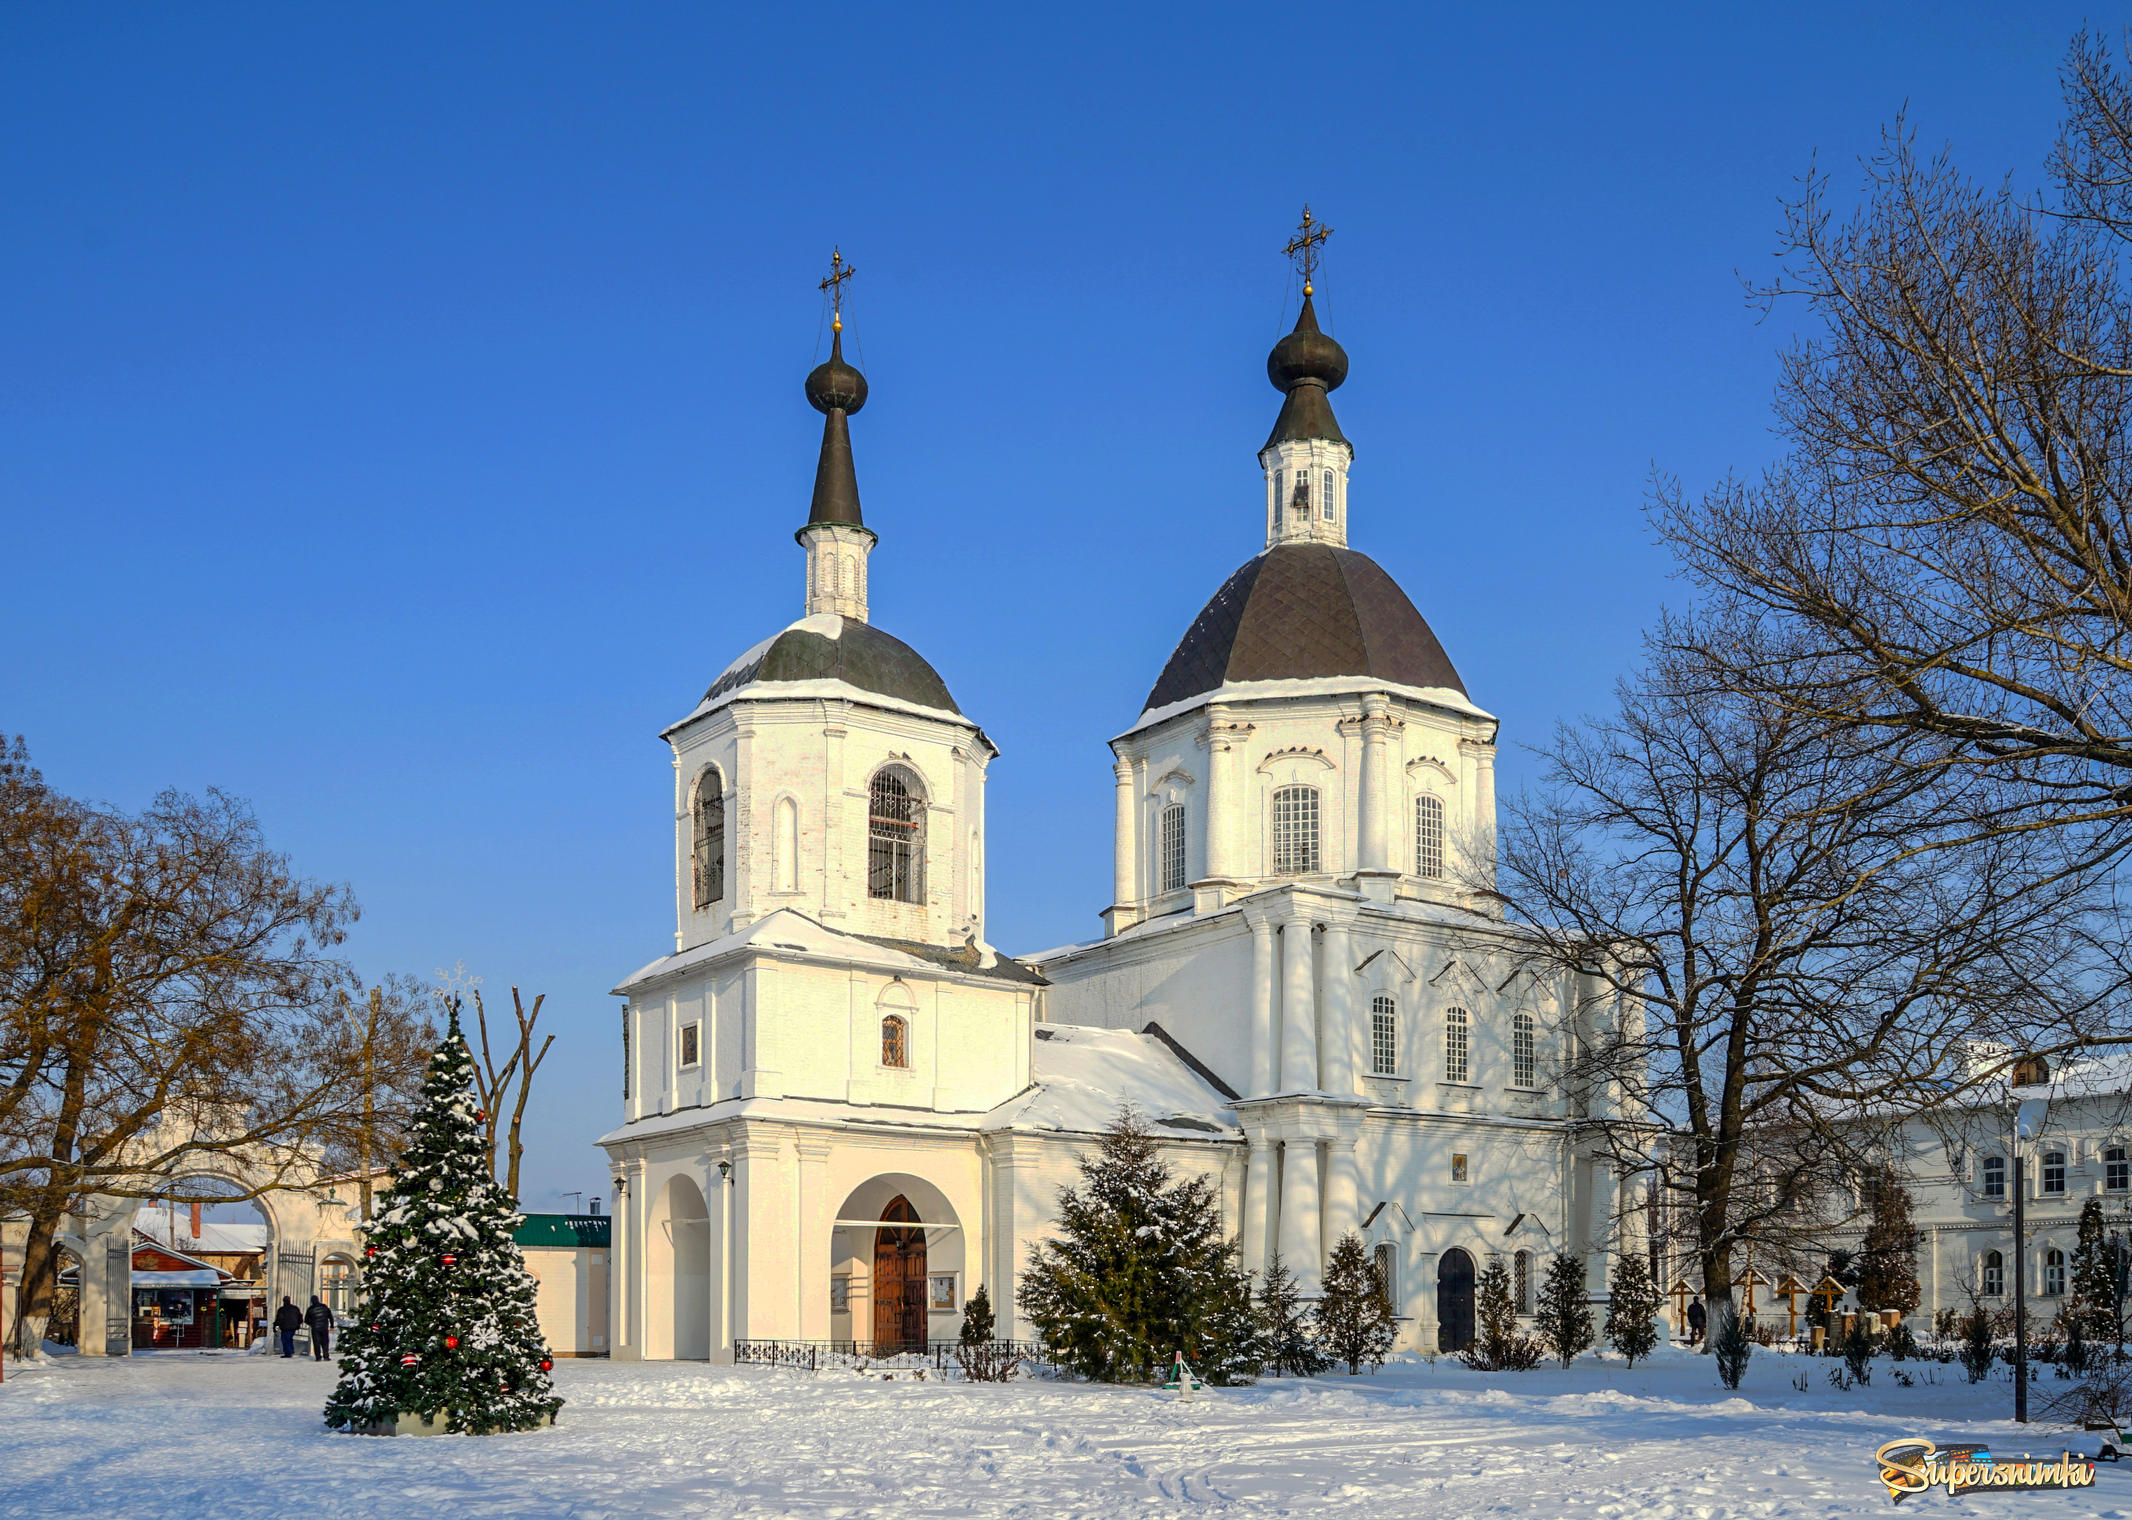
[181, 1434]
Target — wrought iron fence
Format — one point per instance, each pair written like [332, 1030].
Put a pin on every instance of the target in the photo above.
[939, 1357]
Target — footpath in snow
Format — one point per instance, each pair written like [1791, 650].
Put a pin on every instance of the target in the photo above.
[230, 1437]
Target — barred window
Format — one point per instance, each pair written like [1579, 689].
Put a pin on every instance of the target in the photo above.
[2053, 1273]
[1524, 1050]
[1328, 502]
[1295, 831]
[1428, 836]
[1994, 1176]
[895, 839]
[1384, 1261]
[895, 1041]
[1991, 1275]
[709, 815]
[2116, 1170]
[2054, 1173]
[1458, 1046]
[1521, 1281]
[1172, 847]
[1384, 1036]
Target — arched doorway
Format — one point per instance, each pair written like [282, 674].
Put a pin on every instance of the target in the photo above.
[899, 1281]
[688, 1230]
[1454, 1301]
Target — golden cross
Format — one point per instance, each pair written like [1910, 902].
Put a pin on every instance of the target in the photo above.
[833, 287]
[1304, 246]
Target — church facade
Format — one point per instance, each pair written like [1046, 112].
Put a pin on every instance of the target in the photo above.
[845, 1110]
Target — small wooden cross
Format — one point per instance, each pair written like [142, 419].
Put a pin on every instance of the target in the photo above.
[1304, 246]
[833, 287]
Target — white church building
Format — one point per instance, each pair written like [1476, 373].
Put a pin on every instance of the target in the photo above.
[844, 1110]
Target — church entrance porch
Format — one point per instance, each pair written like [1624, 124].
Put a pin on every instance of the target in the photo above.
[896, 1269]
[1454, 1301]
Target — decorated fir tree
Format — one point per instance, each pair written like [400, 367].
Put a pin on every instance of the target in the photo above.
[447, 1330]
[1284, 1315]
[1562, 1316]
[1354, 1316]
[1632, 1308]
[1140, 1271]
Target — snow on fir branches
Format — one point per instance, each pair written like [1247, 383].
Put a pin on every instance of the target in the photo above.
[447, 1330]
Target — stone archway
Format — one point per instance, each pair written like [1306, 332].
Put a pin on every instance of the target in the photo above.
[678, 1276]
[1454, 1300]
[897, 1264]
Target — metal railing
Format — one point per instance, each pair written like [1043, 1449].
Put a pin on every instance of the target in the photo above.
[938, 1357]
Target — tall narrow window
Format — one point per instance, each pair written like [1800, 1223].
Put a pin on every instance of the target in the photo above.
[2116, 1170]
[1991, 1275]
[1994, 1176]
[1521, 1282]
[1384, 1036]
[895, 839]
[1173, 847]
[1428, 836]
[895, 1041]
[1277, 478]
[1383, 1260]
[1301, 504]
[2053, 1273]
[709, 811]
[1295, 831]
[2054, 1173]
[786, 845]
[1524, 1050]
[1326, 504]
[1458, 1045]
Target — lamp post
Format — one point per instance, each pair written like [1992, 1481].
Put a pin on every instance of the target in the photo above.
[2028, 1119]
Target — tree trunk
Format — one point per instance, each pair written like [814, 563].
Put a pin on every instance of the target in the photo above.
[40, 1276]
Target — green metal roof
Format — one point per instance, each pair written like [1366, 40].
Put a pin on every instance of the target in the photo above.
[595, 1230]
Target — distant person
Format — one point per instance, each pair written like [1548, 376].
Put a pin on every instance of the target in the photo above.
[1697, 1318]
[320, 1319]
[288, 1319]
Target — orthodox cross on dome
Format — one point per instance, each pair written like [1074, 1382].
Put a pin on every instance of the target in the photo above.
[1304, 247]
[833, 287]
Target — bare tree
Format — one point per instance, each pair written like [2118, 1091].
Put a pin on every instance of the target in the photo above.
[1743, 882]
[393, 1038]
[494, 1083]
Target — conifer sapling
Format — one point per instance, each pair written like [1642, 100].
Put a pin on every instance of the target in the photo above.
[1632, 1308]
[1354, 1316]
[1285, 1319]
[1562, 1317]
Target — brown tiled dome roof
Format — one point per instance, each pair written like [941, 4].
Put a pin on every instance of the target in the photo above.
[1302, 612]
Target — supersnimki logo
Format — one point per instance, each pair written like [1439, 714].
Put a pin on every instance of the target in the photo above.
[1914, 1464]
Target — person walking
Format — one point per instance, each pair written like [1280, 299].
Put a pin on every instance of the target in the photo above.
[1698, 1317]
[288, 1319]
[320, 1319]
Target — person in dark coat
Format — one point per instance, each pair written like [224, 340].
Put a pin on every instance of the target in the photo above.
[288, 1319]
[320, 1319]
[1698, 1317]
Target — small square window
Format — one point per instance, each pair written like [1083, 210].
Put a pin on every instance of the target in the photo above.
[691, 1035]
[840, 1295]
[940, 1292]
[1458, 1166]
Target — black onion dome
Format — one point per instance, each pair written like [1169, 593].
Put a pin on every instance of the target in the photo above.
[1306, 354]
[856, 653]
[1304, 612]
[833, 385]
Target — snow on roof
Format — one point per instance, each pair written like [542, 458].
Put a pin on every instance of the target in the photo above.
[222, 1236]
[1084, 1075]
[206, 1277]
[1313, 686]
[789, 930]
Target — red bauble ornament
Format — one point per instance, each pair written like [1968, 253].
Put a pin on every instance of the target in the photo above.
[410, 1360]
[481, 1116]
[451, 1343]
[370, 1250]
[449, 1259]
[546, 1365]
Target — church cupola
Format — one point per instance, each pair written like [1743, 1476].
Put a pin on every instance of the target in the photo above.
[1306, 458]
[836, 537]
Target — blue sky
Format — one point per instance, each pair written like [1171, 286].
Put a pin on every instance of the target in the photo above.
[400, 412]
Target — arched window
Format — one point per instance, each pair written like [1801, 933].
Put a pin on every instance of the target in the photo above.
[709, 811]
[1277, 477]
[1328, 501]
[1384, 1261]
[1172, 832]
[2054, 1173]
[1458, 1045]
[1300, 505]
[895, 838]
[1521, 1281]
[785, 844]
[1295, 831]
[1994, 1176]
[340, 1284]
[895, 1041]
[1991, 1275]
[1384, 1036]
[1524, 1050]
[1428, 836]
[2054, 1273]
[2116, 1170]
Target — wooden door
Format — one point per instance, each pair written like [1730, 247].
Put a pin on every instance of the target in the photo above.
[899, 1281]
[1454, 1301]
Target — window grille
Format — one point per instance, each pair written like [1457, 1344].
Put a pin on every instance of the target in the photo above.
[2116, 1170]
[895, 1042]
[1524, 1051]
[1328, 497]
[1384, 1036]
[1991, 1275]
[1521, 1281]
[1173, 847]
[1458, 1046]
[691, 1035]
[1295, 831]
[1428, 837]
[1383, 1260]
[895, 839]
[710, 838]
[2053, 1273]
[2054, 1172]
[1994, 1176]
